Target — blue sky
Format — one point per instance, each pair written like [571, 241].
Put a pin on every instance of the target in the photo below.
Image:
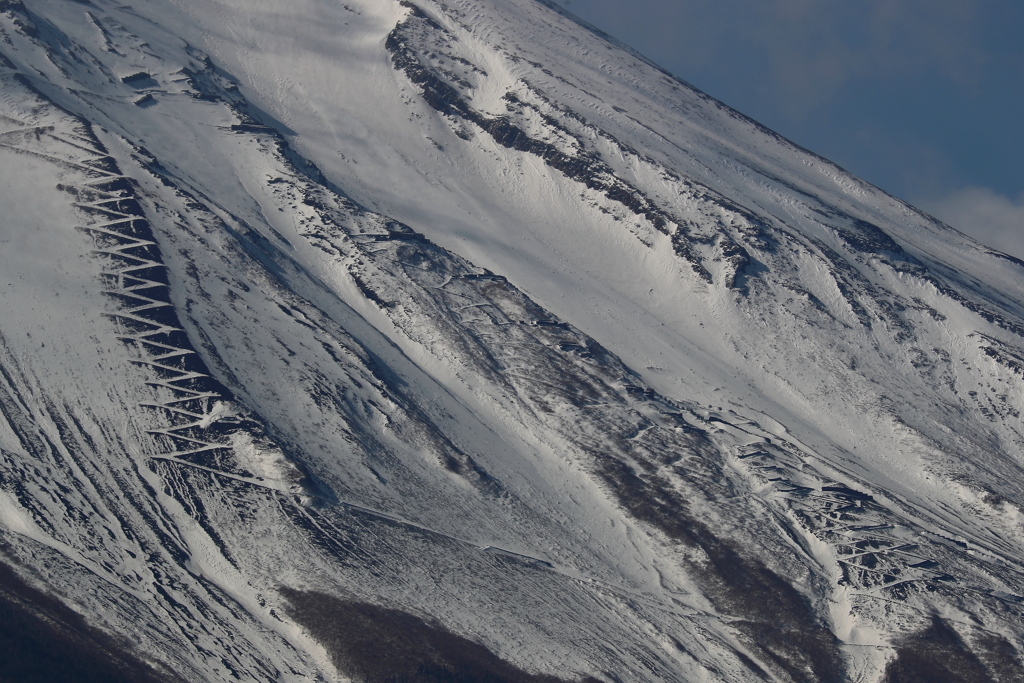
[924, 98]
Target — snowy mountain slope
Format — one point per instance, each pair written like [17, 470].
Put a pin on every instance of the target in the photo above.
[458, 324]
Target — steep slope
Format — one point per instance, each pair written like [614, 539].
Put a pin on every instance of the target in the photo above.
[446, 341]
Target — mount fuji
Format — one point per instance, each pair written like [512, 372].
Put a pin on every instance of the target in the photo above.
[453, 340]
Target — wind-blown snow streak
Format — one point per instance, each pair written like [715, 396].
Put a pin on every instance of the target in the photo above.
[457, 322]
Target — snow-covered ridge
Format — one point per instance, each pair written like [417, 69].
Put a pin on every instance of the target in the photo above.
[457, 311]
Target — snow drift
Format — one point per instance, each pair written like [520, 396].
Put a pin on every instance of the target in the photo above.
[454, 340]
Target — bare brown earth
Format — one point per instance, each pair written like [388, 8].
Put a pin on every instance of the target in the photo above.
[380, 645]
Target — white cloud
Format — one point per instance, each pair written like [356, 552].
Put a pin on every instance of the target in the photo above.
[987, 216]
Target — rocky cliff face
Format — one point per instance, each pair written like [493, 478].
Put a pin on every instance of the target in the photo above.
[455, 342]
